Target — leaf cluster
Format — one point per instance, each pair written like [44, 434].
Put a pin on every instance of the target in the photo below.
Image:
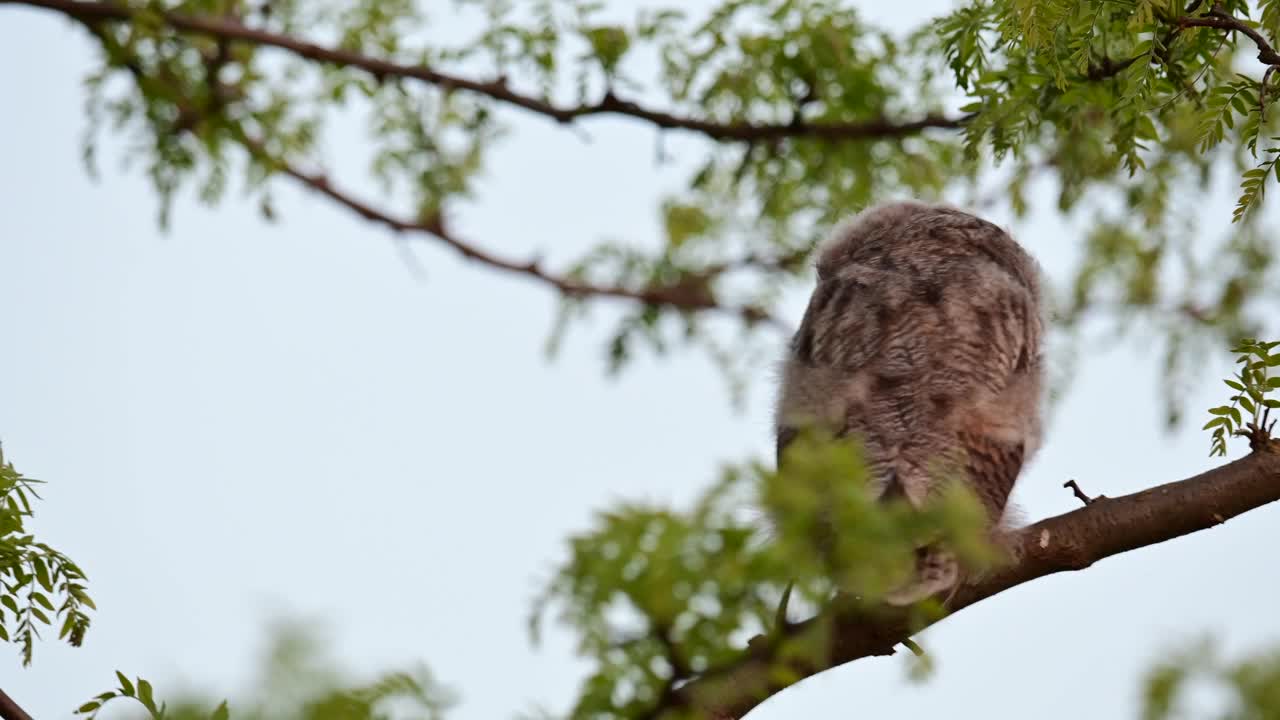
[298, 681]
[657, 596]
[1253, 385]
[1245, 688]
[39, 586]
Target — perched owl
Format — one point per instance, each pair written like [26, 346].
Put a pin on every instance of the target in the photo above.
[922, 340]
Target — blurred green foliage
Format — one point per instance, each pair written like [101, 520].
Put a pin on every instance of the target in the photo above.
[38, 585]
[1198, 683]
[658, 596]
[298, 680]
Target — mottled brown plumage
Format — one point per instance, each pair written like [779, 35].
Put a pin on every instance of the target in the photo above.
[922, 340]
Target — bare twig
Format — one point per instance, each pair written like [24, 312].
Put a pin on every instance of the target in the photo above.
[1080, 494]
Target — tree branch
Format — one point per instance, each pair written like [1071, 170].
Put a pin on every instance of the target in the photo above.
[1073, 541]
[693, 296]
[1217, 19]
[610, 104]
[10, 710]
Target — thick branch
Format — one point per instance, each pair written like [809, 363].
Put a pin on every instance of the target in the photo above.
[10, 710]
[1074, 541]
[610, 104]
[1222, 21]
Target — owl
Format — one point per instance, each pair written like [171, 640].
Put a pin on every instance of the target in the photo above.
[922, 341]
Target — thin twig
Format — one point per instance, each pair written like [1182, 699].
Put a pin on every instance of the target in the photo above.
[677, 296]
[1080, 494]
[1259, 431]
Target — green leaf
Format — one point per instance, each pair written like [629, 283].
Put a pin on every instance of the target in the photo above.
[126, 687]
[42, 573]
[144, 694]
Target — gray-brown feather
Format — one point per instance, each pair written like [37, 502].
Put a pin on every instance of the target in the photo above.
[922, 339]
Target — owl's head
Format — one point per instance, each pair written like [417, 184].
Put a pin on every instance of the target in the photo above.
[912, 237]
[870, 233]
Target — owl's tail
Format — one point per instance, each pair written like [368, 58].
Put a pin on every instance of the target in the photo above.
[937, 570]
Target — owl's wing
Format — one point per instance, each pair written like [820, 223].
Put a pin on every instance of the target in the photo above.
[845, 323]
[992, 466]
[919, 365]
[843, 329]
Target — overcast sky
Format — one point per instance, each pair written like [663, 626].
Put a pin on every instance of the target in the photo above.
[240, 420]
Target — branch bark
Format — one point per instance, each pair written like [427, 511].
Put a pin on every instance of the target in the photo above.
[1073, 541]
[610, 104]
[1222, 21]
[10, 710]
[689, 298]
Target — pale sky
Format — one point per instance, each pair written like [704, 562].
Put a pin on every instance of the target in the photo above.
[240, 420]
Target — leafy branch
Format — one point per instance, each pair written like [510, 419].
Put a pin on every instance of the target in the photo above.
[195, 117]
[1253, 385]
[31, 573]
[664, 602]
[609, 104]
[300, 684]
[141, 692]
